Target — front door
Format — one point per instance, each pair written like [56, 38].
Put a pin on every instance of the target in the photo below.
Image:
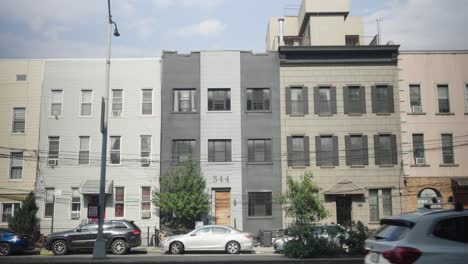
[343, 210]
[223, 208]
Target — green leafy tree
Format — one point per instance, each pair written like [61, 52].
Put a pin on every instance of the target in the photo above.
[24, 221]
[301, 201]
[182, 198]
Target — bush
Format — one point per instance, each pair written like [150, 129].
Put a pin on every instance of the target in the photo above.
[355, 237]
[308, 243]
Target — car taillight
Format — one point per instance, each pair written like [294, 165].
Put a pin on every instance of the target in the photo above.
[249, 236]
[402, 255]
[136, 231]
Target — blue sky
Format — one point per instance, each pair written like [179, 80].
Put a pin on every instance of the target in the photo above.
[77, 28]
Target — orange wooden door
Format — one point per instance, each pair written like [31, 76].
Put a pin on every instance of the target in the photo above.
[223, 208]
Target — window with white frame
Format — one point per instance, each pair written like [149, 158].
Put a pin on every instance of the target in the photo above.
[387, 202]
[466, 98]
[443, 98]
[415, 98]
[447, 149]
[75, 203]
[86, 102]
[117, 102]
[119, 201]
[184, 100]
[374, 205]
[145, 150]
[324, 100]
[19, 120]
[145, 202]
[56, 103]
[16, 165]
[115, 149]
[8, 211]
[83, 158]
[54, 148]
[219, 150]
[297, 100]
[49, 202]
[147, 101]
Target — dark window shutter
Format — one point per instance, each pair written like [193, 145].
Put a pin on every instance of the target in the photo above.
[305, 94]
[394, 150]
[348, 150]
[306, 151]
[318, 152]
[290, 162]
[316, 101]
[362, 93]
[365, 150]
[211, 151]
[288, 100]
[374, 99]
[376, 150]
[333, 99]
[391, 104]
[345, 100]
[336, 153]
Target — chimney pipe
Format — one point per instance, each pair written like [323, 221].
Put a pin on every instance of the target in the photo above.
[281, 31]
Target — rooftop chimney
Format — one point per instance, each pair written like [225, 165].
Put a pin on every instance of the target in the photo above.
[281, 31]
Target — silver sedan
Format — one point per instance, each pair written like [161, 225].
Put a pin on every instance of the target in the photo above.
[209, 238]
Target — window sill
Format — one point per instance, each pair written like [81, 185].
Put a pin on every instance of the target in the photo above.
[17, 134]
[260, 163]
[466, 113]
[416, 113]
[357, 166]
[387, 166]
[121, 116]
[297, 115]
[420, 166]
[445, 114]
[219, 112]
[449, 165]
[327, 167]
[15, 180]
[259, 217]
[355, 114]
[219, 163]
[85, 117]
[374, 223]
[325, 115]
[258, 112]
[298, 167]
[383, 114]
[182, 113]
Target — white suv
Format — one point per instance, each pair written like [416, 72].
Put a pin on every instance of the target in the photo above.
[425, 236]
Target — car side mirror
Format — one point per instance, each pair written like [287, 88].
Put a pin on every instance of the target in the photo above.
[78, 230]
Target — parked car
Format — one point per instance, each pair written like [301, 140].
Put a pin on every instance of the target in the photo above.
[209, 238]
[121, 236]
[425, 236]
[11, 242]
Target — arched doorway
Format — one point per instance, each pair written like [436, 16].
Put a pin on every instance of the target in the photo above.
[429, 196]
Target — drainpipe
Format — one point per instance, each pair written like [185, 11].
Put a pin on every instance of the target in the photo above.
[281, 31]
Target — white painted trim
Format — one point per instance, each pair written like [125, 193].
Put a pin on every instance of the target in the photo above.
[112, 101]
[81, 103]
[466, 97]
[124, 201]
[151, 150]
[141, 102]
[437, 96]
[49, 114]
[12, 119]
[79, 149]
[45, 201]
[48, 149]
[141, 201]
[9, 168]
[12, 213]
[120, 151]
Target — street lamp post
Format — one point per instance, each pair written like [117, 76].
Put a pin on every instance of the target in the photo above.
[100, 243]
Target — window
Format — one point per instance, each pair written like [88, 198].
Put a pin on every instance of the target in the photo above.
[429, 197]
[83, 156]
[145, 150]
[119, 201]
[56, 103]
[382, 94]
[324, 100]
[117, 102]
[16, 165]
[418, 148]
[297, 101]
[258, 99]
[454, 229]
[219, 150]
[260, 204]
[115, 150]
[184, 100]
[354, 99]
[54, 148]
[182, 150]
[203, 231]
[86, 102]
[49, 202]
[19, 120]
[415, 98]
[219, 99]
[259, 150]
[382, 99]
[21, 77]
[443, 98]
[352, 40]
[297, 154]
[385, 149]
[8, 211]
[91, 227]
[326, 150]
[147, 101]
[357, 150]
[447, 149]
[466, 98]
[374, 205]
[145, 202]
[387, 202]
[220, 231]
[75, 203]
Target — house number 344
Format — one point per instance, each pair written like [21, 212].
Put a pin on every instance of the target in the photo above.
[220, 179]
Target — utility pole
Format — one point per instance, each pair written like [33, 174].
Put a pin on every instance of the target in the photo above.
[100, 243]
[379, 31]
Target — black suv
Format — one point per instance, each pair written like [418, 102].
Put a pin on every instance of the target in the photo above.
[120, 236]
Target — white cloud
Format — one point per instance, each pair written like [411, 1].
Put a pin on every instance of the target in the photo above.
[188, 3]
[204, 28]
[422, 24]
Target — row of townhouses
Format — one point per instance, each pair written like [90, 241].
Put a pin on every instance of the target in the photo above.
[383, 131]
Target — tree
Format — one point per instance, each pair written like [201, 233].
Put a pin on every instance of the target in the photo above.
[182, 199]
[24, 220]
[301, 201]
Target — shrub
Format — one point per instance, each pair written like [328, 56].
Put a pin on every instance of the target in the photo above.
[355, 237]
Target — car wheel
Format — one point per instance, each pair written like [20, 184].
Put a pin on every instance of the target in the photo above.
[119, 247]
[5, 249]
[176, 248]
[232, 247]
[59, 247]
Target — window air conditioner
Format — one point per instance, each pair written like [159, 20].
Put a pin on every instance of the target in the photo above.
[417, 109]
[116, 112]
[145, 214]
[420, 161]
[145, 161]
[52, 162]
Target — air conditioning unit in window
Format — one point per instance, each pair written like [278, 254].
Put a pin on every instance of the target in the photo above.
[116, 112]
[145, 214]
[75, 215]
[145, 161]
[416, 109]
[420, 161]
[52, 162]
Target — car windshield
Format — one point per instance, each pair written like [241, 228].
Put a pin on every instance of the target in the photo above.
[391, 232]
